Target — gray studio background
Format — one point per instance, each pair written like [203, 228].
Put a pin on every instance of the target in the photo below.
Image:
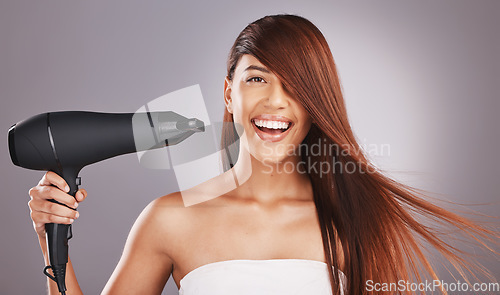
[421, 76]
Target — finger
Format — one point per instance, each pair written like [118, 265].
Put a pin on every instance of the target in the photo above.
[52, 209]
[41, 218]
[81, 195]
[52, 192]
[52, 178]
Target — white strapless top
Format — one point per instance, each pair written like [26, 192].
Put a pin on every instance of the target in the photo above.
[262, 277]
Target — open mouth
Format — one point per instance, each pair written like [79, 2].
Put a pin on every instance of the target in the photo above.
[271, 130]
[271, 127]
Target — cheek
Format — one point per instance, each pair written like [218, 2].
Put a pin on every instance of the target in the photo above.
[307, 127]
[238, 113]
[241, 115]
[236, 104]
[303, 116]
[241, 108]
[304, 130]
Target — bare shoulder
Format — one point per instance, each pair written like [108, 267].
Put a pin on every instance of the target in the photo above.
[160, 239]
[168, 215]
[166, 205]
[158, 222]
[174, 222]
[151, 242]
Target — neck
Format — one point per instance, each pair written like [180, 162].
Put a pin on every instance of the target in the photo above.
[268, 183]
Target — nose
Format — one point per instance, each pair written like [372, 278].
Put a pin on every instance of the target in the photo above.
[278, 97]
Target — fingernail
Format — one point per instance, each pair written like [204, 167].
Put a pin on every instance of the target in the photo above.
[71, 220]
[66, 188]
[77, 215]
[76, 204]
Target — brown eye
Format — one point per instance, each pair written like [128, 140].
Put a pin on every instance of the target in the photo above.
[256, 79]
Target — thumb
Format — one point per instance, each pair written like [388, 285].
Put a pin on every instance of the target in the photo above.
[81, 195]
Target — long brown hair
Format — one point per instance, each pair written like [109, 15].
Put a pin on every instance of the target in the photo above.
[369, 217]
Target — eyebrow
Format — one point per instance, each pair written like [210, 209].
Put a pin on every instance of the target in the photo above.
[253, 67]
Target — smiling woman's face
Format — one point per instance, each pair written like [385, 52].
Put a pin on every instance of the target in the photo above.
[274, 122]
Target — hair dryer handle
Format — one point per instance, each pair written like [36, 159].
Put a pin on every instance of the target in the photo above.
[58, 236]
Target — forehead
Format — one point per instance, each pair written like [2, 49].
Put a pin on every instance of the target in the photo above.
[247, 60]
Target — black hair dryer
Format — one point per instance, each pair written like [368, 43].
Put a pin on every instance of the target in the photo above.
[65, 142]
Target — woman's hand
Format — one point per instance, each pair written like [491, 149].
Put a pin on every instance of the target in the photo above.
[53, 186]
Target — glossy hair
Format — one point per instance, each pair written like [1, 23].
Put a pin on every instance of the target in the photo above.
[377, 222]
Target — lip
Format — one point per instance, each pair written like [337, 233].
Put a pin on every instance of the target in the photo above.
[269, 137]
[272, 118]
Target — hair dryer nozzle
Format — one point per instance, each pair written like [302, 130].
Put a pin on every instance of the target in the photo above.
[192, 124]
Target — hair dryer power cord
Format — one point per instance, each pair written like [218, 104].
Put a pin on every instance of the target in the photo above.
[59, 276]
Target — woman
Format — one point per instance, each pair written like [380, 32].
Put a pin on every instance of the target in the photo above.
[293, 226]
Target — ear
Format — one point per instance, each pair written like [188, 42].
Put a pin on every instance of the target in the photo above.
[227, 95]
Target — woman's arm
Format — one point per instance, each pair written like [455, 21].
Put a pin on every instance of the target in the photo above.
[145, 266]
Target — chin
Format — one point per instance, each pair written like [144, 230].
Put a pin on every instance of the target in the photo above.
[272, 159]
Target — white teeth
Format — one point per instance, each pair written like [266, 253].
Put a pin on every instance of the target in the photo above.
[271, 124]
